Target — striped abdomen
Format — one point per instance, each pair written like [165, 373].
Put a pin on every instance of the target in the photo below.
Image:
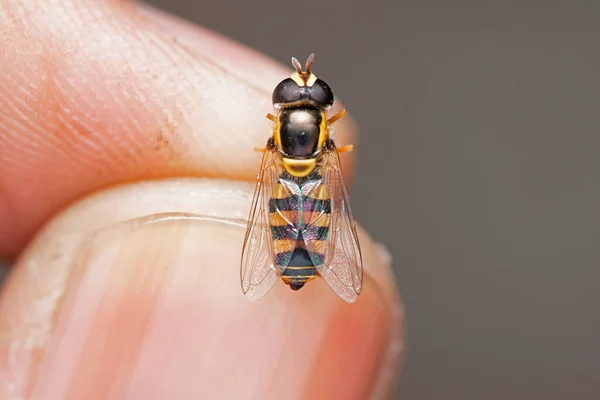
[299, 214]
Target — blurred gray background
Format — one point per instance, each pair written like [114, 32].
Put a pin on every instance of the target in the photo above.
[478, 167]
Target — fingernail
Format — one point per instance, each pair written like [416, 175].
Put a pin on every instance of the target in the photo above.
[155, 310]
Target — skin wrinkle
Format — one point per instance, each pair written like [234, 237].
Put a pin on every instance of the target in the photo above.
[8, 211]
[95, 31]
[136, 95]
[78, 128]
[22, 107]
[183, 53]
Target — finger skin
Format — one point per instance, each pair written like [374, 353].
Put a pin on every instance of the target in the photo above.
[95, 94]
[151, 307]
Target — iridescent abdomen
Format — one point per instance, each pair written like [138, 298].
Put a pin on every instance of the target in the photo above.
[298, 215]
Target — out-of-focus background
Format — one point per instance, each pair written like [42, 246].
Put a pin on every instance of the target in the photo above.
[478, 167]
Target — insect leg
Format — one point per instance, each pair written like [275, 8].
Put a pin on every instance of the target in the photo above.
[345, 148]
[336, 117]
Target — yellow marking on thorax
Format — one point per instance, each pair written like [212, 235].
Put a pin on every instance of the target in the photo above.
[323, 130]
[299, 168]
[277, 133]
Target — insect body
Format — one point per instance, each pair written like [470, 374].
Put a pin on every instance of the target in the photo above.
[300, 224]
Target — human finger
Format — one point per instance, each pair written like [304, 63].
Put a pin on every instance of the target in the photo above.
[96, 94]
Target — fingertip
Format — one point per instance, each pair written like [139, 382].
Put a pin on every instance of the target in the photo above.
[155, 98]
[252, 67]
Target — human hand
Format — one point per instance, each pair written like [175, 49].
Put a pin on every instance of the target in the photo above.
[110, 114]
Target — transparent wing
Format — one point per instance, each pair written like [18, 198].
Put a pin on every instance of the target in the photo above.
[335, 250]
[258, 272]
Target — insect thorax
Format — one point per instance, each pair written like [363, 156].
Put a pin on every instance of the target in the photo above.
[300, 133]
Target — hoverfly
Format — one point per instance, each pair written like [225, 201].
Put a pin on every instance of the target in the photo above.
[300, 223]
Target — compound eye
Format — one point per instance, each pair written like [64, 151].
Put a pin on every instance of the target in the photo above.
[321, 94]
[287, 91]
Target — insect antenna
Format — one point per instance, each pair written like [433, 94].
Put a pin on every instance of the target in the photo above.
[309, 62]
[297, 65]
